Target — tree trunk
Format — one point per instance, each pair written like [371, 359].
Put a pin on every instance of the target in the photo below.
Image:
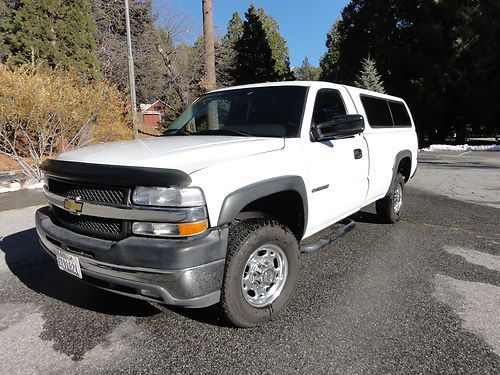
[208, 33]
[461, 133]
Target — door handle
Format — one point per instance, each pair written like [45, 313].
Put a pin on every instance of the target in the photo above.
[358, 153]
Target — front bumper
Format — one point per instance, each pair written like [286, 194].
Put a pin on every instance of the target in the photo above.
[182, 272]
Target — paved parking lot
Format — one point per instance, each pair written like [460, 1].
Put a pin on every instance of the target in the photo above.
[420, 296]
[472, 176]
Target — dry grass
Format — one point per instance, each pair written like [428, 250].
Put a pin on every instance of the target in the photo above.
[8, 165]
[43, 112]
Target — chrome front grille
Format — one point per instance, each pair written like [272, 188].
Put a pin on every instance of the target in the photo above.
[89, 193]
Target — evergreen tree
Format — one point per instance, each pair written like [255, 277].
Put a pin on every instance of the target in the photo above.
[254, 61]
[279, 49]
[55, 32]
[409, 44]
[268, 36]
[369, 78]
[4, 30]
[234, 31]
[307, 72]
[329, 61]
[225, 53]
[441, 56]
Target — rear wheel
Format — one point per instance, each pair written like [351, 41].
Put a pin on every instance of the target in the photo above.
[261, 274]
[389, 208]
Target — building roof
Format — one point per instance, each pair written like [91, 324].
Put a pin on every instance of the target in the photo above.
[147, 107]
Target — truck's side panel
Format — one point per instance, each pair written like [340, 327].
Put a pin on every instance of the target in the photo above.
[384, 141]
[337, 174]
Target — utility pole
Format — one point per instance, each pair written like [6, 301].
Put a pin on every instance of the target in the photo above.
[208, 33]
[131, 75]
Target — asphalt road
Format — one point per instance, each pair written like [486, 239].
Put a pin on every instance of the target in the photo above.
[420, 296]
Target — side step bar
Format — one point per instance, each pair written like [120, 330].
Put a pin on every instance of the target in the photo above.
[347, 226]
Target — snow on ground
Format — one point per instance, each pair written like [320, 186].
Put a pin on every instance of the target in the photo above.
[15, 186]
[38, 185]
[465, 147]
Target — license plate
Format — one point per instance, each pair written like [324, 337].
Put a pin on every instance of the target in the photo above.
[69, 263]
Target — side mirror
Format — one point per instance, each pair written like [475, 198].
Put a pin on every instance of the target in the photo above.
[338, 127]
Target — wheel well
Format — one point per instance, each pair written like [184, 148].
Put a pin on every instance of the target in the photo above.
[286, 207]
[404, 167]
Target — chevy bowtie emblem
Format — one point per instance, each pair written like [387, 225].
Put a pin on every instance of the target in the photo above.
[73, 206]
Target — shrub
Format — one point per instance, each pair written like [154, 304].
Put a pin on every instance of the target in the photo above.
[44, 111]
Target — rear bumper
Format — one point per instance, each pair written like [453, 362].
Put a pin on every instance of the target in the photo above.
[184, 273]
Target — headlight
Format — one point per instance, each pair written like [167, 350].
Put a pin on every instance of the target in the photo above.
[168, 196]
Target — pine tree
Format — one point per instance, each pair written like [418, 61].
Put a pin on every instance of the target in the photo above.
[270, 39]
[279, 49]
[225, 53]
[254, 61]
[369, 78]
[4, 30]
[307, 72]
[55, 32]
[234, 31]
[329, 61]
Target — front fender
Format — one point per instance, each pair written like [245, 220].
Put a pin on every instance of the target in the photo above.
[237, 200]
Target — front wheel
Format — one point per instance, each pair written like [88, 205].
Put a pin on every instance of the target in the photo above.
[261, 273]
[390, 207]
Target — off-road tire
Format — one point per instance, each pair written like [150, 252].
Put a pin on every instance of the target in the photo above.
[385, 206]
[244, 238]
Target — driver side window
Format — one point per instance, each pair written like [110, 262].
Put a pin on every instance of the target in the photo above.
[328, 104]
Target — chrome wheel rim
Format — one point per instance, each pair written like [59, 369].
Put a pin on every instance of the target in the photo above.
[398, 198]
[264, 275]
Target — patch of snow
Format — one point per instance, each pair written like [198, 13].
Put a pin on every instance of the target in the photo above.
[15, 186]
[465, 147]
[6, 187]
[38, 185]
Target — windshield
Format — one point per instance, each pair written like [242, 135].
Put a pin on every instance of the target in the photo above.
[261, 112]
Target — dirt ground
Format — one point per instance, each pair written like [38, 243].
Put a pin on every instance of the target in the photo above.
[8, 165]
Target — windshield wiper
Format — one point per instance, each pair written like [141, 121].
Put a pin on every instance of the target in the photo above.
[178, 132]
[225, 131]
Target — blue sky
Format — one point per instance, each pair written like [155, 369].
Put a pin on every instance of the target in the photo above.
[303, 23]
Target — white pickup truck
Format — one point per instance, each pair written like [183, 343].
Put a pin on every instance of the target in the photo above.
[217, 210]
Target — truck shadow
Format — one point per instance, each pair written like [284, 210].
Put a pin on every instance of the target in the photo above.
[33, 267]
[207, 315]
[365, 217]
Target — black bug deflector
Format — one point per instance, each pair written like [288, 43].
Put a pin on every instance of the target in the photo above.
[116, 175]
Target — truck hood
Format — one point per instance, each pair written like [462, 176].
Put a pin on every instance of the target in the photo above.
[187, 153]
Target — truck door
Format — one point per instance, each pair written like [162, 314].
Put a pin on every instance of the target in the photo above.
[338, 169]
